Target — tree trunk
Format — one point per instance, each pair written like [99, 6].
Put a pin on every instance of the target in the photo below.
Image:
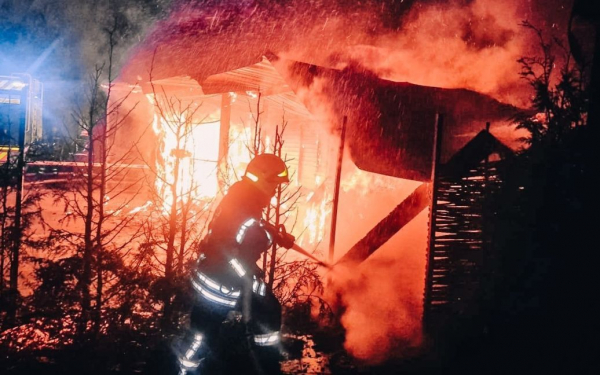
[17, 230]
[84, 282]
[594, 105]
[169, 277]
[185, 208]
[99, 227]
[4, 244]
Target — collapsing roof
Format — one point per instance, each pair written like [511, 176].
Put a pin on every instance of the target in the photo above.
[391, 124]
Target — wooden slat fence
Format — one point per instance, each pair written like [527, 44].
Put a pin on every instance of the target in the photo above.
[459, 249]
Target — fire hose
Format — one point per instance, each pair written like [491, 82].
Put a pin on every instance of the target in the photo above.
[284, 239]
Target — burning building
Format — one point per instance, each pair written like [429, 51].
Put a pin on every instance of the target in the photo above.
[218, 85]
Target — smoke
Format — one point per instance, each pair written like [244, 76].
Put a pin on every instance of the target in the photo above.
[453, 46]
[473, 44]
[381, 297]
[89, 24]
[76, 31]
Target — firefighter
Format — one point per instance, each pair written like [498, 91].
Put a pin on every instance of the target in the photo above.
[229, 286]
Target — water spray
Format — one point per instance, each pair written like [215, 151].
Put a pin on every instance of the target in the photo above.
[300, 250]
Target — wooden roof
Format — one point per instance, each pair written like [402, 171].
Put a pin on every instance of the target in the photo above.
[261, 77]
[480, 147]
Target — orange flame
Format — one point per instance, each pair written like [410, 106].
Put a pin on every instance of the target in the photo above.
[187, 160]
[187, 168]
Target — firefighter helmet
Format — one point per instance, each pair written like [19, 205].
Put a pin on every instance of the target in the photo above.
[267, 171]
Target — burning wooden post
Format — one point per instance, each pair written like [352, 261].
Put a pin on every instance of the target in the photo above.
[336, 191]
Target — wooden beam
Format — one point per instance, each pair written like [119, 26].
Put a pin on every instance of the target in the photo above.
[404, 213]
[224, 139]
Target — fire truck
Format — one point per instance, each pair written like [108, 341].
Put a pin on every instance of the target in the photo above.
[21, 100]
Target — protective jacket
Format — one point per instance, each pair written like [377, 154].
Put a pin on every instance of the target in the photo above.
[236, 238]
[227, 282]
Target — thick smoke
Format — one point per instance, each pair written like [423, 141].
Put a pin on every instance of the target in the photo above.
[382, 297]
[451, 44]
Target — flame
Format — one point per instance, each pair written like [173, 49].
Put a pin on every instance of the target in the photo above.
[193, 154]
[195, 151]
[191, 162]
[317, 213]
[238, 154]
[315, 219]
[363, 182]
